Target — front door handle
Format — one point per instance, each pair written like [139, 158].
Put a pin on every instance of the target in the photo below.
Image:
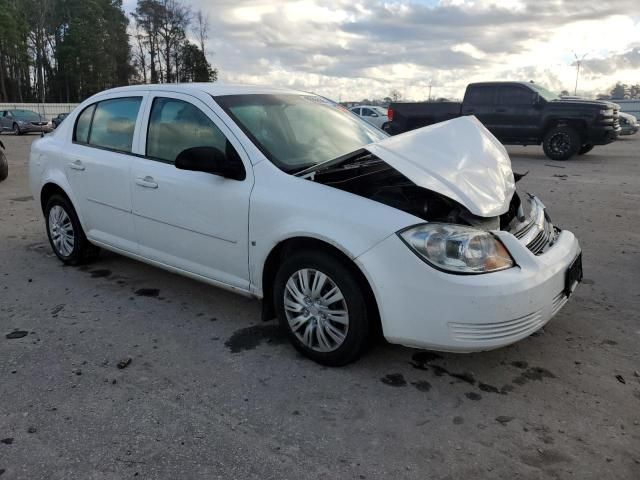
[147, 182]
[76, 165]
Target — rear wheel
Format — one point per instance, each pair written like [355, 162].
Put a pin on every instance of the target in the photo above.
[322, 306]
[586, 148]
[561, 143]
[65, 233]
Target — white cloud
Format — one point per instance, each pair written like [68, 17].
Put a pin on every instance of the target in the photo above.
[365, 48]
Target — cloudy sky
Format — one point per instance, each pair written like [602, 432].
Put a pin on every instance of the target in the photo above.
[351, 49]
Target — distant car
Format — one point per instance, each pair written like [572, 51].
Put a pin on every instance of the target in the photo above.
[376, 116]
[23, 121]
[628, 124]
[58, 119]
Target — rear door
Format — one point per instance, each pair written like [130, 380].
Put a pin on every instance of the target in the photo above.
[99, 167]
[517, 118]
[480, 100]
[194, 221]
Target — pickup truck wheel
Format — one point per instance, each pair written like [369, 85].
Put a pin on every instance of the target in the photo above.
[561, 143]
[4, 166]
[65, 233]
[322, 306]
[585, 149]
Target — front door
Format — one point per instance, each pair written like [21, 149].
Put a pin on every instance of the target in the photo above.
[194, 221]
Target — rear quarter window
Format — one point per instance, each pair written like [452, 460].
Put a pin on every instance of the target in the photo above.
[480, 95]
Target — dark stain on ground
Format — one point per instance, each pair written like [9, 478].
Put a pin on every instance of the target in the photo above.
[473, 396]
[533, 373]
[489, 388]
[250, 337]
[458, 420]
[100, 273]
[22, 199]
[57, 309]
[16, 334]
[394, 380]
[7, 441]
[147, 292]
[520, 364]
[422, 361]
[422, 386]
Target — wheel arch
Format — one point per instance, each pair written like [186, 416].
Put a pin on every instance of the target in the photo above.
[580, 125]
[279, 251]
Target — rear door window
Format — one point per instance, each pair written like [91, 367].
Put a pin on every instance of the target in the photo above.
[114, 122]
[480, 95]
[513, 95]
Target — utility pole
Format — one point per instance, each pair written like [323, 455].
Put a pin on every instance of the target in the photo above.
[578, 63]
[429, 90]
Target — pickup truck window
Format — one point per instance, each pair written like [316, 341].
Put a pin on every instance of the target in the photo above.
[515, 96]
[480, 95]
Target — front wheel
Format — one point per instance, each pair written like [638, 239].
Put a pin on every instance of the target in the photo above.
[586, 148]
[16, 129]
[4, 166]
[322, 306]
[65, 233]
[561, 143]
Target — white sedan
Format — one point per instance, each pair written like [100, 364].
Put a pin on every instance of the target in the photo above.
[376, 116]
[285, 196]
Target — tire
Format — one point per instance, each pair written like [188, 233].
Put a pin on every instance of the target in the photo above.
[384, 126]
[332, 339]
[16, 129]
[4, 166]
[65, 233]
[561, 143]
[585, 149]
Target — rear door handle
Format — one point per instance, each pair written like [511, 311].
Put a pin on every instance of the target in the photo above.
[76, 165]
[147, 182]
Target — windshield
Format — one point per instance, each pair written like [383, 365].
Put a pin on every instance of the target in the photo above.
[297, 132]
[26, 115]
[544, 93]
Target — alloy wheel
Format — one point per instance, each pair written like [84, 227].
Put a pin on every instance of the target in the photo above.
[61, 231]
[560, 143]
[316, 310]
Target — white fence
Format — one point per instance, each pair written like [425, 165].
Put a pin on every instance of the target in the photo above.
[48, 110]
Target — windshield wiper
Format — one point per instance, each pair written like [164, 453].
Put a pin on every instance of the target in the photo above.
[328, 163]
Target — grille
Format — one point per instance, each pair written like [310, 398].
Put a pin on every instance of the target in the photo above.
[481, 332]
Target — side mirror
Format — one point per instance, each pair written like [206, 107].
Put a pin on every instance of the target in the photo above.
[374, 114]
[212, 160]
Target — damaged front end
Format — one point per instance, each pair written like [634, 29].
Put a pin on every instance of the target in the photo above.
[433, 176]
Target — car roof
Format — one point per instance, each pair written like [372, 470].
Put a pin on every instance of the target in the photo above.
[214, 89]
[493, 84]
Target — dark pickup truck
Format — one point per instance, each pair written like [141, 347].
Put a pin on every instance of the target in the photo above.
[520, 113]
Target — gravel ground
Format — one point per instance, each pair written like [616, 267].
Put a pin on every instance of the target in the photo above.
[213, 392]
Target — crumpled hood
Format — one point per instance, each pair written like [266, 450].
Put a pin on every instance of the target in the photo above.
[459, 159]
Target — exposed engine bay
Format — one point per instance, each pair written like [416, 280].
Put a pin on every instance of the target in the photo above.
[366, 175]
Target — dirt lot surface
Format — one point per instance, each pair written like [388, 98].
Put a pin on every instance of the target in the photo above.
[213, 392]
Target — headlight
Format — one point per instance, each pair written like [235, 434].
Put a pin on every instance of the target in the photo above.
[606, 112]
[457, 248]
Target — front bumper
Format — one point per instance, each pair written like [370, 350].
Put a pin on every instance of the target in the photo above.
[426, 308]
[602, 135]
